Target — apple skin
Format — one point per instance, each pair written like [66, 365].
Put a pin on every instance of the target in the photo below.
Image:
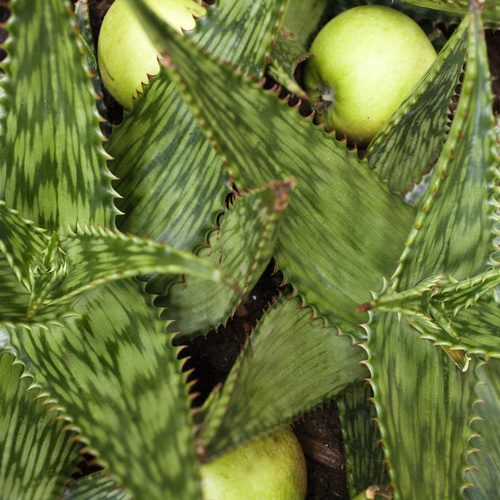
[126, 55]
[365, 61]
[271, 468]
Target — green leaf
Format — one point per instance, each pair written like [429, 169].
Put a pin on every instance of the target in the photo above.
[243, 248]
[94, 256]
[95, 487]
[38, 449]
[409, 145]
[364, 453]
[291, 364]
[489, 8]
[22, 243]
[53, 167]
[14, 297]
[484, 472]
[424, 407]
[230, 32]
[170, 178]
[345, 203]
[115, 373]
[454, 231]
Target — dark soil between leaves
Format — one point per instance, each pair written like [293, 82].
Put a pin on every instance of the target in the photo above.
[212, 356]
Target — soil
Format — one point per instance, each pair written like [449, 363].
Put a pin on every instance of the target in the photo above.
[212, 356]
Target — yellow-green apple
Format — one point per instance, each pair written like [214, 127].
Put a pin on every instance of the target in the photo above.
[126, 55]
[271, 468]
[365, 61]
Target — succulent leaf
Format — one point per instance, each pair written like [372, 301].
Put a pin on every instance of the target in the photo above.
[14, 296]
[110, 367]
[94, 256]
[22, 243]
[485, 460]
[242, 248]
[95, 487]
[39, 450]
[489, 8]
[454, 231]
[432, 407]
[336, 190]
[409, 145]
[171, 180]
[266, 392]
[52, 166]
[364, 453]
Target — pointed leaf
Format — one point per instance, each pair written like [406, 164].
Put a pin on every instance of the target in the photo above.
[170, 178]
[243, 248]
[113, 370]
[95, 487]
[37, 449]
[421, 397]
[52, 167]
[490, 8]
[291, 365]
[485, 471]
[364, 453]
[230, 32]
[21, 242]
[411, 142]
[333, 187]
[94, 256]
[14, 296]
[455, 229]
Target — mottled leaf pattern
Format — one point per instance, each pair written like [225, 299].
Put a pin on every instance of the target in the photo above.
[96, 487]
[411, 142]
[170, 178]
[229, 35]
[454, 230]
[52, 164]
[344, 201]
[490, 8]
[38, 450]
[432, 407]
[485, 460]
[113, 370]
[364, 452]
[96, 255]
[266, 392]
[22, 243]
[243, 246]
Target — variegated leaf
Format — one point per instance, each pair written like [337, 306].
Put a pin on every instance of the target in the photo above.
[356, 226]
[115, 373]
[490, 8]
[484, 471]
[95, 487]
[171, 180]
[14, 296]
[242, 248]
[421, 397]
[22, 243]
[291, 364]
[364, 453]
[93, 256]
[409, 145]
[454, 231]
[52, 164]
[230, 32]
[38, 450]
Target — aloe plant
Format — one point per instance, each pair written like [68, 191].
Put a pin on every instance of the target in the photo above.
[119, 245]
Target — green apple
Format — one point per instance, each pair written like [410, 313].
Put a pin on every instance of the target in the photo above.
[271, 468]
[365, 61]
[126, 56]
